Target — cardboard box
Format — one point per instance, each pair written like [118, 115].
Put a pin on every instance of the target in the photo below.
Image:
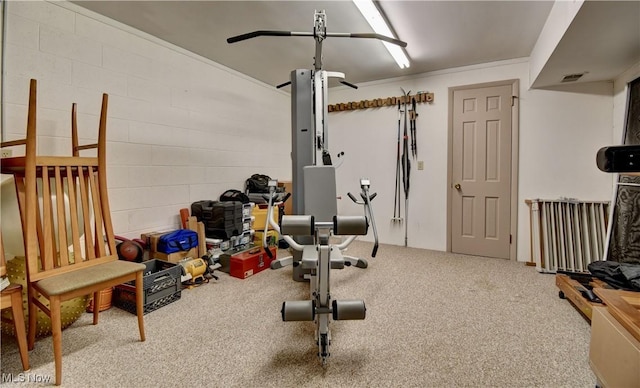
[176, 256]
[151, 238]
[288, 188]
[614, 354]
[248, 263]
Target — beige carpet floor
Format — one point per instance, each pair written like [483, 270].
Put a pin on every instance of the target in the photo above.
[434, 319]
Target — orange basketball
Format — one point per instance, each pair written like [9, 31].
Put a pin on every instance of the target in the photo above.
[130, 251]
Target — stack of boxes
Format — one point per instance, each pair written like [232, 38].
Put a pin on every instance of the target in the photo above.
[203, 211]
[221, 219]
[225, 220]
[247, 232]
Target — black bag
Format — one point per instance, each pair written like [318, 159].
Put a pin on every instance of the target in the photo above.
[624, 276]
[179, 240]
[258, 183]
[234, 195]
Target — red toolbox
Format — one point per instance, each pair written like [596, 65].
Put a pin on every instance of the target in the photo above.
[247, 263]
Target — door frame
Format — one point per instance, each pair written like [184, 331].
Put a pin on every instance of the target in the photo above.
[515, 131]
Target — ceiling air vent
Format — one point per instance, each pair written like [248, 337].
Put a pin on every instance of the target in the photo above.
[572, 77]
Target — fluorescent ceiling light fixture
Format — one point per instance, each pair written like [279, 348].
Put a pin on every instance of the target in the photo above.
[379, 25]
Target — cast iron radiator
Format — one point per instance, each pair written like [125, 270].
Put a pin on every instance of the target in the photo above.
[567, 234]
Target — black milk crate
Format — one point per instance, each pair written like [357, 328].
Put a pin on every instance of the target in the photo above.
[161, 285]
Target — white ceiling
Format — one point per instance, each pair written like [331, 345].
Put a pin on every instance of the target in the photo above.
[603, 40]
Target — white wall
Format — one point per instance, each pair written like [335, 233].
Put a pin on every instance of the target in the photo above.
[560, 132]
[620, 101]
[180, 128]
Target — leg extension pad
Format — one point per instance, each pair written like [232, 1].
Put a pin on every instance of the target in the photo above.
[298, 310]
[348, 309]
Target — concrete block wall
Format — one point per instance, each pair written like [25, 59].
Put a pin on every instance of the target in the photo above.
[180, 127]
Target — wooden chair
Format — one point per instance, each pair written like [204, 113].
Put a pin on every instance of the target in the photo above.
[62, 264]
[11, 297]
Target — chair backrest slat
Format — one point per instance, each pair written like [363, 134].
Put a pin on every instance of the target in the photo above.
[47, 218]
[39, 234]
[20, 194]
[73, 211]
[97, 214]
[89, 252]
[61, 217]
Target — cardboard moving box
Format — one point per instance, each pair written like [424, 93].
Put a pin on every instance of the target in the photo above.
[152, 238]
[614, 354]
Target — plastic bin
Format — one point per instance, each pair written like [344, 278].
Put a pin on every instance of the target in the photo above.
[161, 287]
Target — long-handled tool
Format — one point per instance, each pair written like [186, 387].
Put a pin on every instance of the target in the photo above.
[396, 201]
[413, 116]
[406, 167]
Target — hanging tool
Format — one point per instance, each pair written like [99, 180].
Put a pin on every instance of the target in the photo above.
[406, 166]
[396, 201]
[413, 116]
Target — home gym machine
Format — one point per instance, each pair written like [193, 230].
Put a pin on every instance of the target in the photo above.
[309, 135]
[319, 259]
[308, 231]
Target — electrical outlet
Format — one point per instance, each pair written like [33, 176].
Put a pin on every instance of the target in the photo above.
[420, 165]
[5, 154]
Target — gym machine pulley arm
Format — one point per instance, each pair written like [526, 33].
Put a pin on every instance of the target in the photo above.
[258, 33]
[320, 77]
[368, 211]
[319, 34]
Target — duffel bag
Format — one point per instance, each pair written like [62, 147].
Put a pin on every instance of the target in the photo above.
[258, 183]
[234, 195]
[176, 241]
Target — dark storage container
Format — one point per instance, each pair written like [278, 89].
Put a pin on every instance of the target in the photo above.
[161, 286]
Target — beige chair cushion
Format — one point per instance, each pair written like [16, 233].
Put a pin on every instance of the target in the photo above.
[74, 280]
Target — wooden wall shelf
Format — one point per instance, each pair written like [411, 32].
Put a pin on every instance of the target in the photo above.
[380, 102]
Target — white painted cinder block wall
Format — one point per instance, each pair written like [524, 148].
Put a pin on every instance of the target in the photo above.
[180, 128]
[560, 132]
